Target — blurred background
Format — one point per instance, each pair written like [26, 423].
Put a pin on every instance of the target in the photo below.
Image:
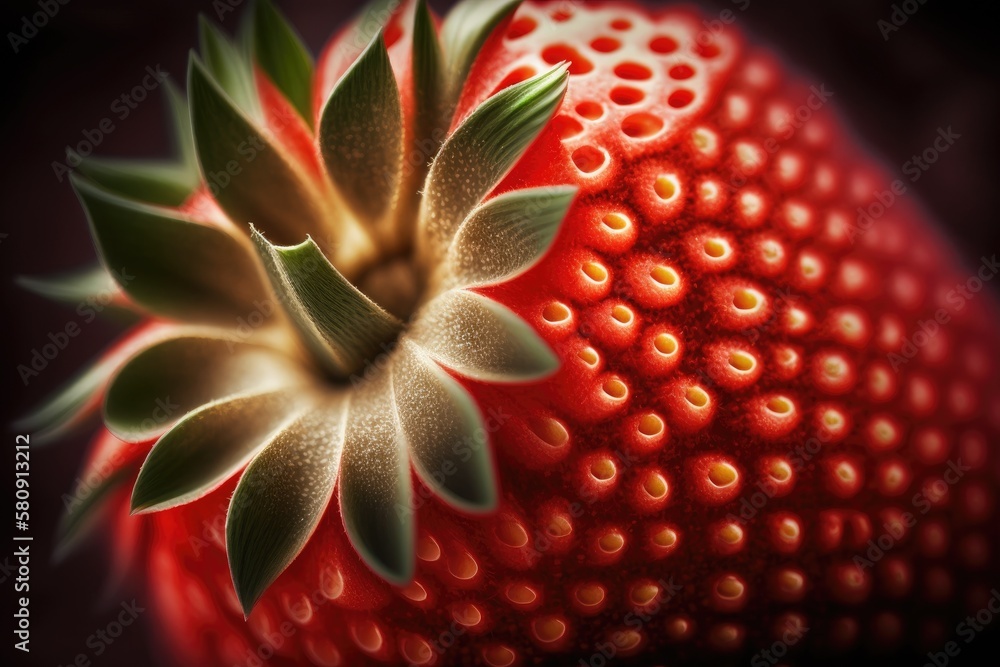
[939, 69]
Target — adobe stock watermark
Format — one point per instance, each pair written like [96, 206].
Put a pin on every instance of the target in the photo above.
[772, 655]
[798, 457]
[121, 107]
[32, 23]
[223, 8]
[921, 502]
[956, 298]
[605, 652]
[57, 341]
[900, 14]
[716, 26]
[967, 630]
[90, 481]
[913, 168]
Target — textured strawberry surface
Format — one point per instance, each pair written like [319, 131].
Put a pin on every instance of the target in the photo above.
[758, 432]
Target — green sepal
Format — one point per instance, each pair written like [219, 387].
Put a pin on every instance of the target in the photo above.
[505, 348]
[466, 29]
[433, 410]
[168, 380]
[163, 182]
[279, 51]
[482, 151]
[361, 134]
[93, 284]
[249, 175]
[229, 67]
[430, 122]
[281, 498]
[376, 498]
[342, 326]
[167, 263]
[206, 448]
[506, 236]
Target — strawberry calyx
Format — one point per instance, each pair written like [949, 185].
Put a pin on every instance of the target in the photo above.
[359, 265]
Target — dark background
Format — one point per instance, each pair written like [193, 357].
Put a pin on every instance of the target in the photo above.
[939, 69]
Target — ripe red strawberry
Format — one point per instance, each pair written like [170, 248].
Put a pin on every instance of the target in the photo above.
[772, 426]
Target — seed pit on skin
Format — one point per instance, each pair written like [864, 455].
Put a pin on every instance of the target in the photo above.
[521, 594]
[729, 588]
[621, 24]
[650, 425]
[666, 187]
[681, 72]
[709, 50]
[611, 543]
[368, 637]
[642, 125]
[665, 344]
[519, 75]
[780, 405]
[615, 222]
[663, 45]
[791, 582]
[595, 272]
[621, 314]
[696, 396]
[780, 471]
[665, 538]
[558, 53]
[746, 299]
[626, 95]
[588, 159]
[717, 248]
[590, 110]
[704, 139]
[643, 594]
[845, 471]
[655, 486]
[603, 469]
[590, 595]
[512, 534]
[605, 44]
[499, 656]
[633, 72]
[555, 312]
[663, 275]
[789, 529]
[551, 432]
[467, 615]
[463, 567]
[415, 591]
[589, 356]
[428, 549]
[567, 127]
[521, 27]
[416, 650]
[332, 581]
[722, 475]
[742, 361]
[680, 98]
[615, 389]
[559, 526]
[731, 534]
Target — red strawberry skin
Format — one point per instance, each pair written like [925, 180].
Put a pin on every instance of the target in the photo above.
[774, 418]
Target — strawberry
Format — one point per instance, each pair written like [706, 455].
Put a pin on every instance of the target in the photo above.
[770, 431]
